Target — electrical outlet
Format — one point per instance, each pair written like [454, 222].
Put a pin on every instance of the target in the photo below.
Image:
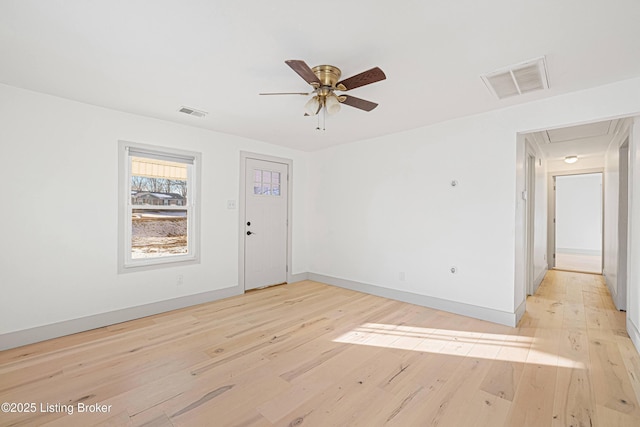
[402, 276]
[231, 204]
[180, 280]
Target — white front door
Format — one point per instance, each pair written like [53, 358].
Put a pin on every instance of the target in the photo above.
[265, 223]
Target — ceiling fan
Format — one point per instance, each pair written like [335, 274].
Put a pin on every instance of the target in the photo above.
[325, 81]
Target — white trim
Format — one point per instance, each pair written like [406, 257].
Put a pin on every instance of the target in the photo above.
[634, 334]
[244, 155]
[68, 327]
[482, 313]
[633, 246]
[613, 290]
[529, 218]
[539, 279]
[520, 311]
[125, 263]
[293, 278]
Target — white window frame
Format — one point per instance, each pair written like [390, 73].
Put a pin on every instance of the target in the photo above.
[125, 208]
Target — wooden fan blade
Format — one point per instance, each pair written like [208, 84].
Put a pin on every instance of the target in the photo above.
[366, 77]
[284, 93]
[362, 104]
[303, 71]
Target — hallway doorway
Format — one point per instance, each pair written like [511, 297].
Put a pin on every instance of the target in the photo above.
[578, 222]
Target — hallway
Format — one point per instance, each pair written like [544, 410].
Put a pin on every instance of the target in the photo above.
[573, 317]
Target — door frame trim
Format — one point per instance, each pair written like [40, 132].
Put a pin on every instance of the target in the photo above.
[551, 211]
[530, 217]
[244, 155]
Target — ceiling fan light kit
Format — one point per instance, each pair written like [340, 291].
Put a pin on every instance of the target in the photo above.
[313, 106]
[325, 81]
[332, 104]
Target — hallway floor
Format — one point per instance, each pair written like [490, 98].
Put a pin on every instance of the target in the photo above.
[581, 263]
[598, 377]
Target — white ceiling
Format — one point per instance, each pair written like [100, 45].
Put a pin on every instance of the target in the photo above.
[150, 57]
[589, 140]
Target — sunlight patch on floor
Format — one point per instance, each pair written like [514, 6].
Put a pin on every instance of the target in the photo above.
[511, 348]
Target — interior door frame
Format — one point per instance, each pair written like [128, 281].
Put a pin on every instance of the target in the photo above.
[551, 216]
[530, 215]
[244, 155]
[621, 295]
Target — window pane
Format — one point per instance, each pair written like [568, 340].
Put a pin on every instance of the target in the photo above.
[158, 182]
[158, 233]
[257, 189]
[275, 177]
[275, 190]
[257, 175]
[266, 189]
[266, 176]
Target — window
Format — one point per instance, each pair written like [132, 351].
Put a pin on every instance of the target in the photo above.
[266, 183]
[157, 205]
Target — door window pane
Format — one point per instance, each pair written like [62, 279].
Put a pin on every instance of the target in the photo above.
[266, 183]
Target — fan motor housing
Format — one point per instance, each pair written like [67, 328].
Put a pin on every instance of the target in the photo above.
[327, 74]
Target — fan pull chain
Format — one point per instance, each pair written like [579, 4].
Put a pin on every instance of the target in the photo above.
[324, 118]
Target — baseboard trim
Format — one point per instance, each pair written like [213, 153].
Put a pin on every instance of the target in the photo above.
[82, 324]
[482, 313]
[576, 251]
[538, 281]
[298, 277]
[613, 291]
[520, 310]
[634, 334]
[55, 330]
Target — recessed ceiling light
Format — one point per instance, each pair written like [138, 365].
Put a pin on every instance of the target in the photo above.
[571, 159]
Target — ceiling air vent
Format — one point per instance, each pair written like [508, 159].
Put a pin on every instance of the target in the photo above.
[518, 79]
[192, 111]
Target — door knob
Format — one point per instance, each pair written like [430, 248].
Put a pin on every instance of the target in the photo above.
[249, 233]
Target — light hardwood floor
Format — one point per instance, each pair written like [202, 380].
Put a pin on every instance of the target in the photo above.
[309, 354]
[579, 263]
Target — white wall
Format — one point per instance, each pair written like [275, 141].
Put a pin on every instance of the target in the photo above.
[579, 214]
[540, 264]
[610, 229]
[385, 206]
[633, 260]
[363, 212]
[58, 258]
[539, 198]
